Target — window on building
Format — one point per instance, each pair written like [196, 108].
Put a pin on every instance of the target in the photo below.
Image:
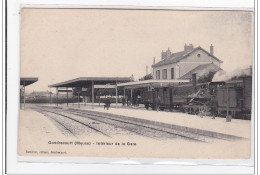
[164, 74]
[172, 73]
[158, 75]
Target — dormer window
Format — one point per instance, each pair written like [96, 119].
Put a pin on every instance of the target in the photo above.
[198, 55]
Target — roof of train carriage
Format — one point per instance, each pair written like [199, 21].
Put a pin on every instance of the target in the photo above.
[87, 81]
[148, 83]
[28, 80]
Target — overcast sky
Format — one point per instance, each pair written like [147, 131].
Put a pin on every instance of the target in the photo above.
[59, 45]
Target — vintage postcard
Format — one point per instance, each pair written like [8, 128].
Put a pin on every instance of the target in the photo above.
[125, 83]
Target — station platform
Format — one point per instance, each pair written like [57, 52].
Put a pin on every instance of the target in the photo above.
[34, 123]
[34, 127]
[237, 127]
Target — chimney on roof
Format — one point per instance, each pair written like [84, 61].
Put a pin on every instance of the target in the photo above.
[163, 56]
[188, 48]
[211, 50]
[152, 66]
[167, 54]
[146, 70]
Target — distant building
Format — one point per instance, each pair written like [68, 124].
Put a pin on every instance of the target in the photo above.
[181, 65]
[46, 94]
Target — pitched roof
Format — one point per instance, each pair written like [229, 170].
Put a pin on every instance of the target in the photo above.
[87, 81]
[28, 80]
[202, 70]
[176, 57]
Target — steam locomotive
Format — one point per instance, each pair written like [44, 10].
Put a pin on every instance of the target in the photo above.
[210, 98]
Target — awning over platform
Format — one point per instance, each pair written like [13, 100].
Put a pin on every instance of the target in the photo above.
[87, 81]
[91, 82]
[151, 83]
[25, 81]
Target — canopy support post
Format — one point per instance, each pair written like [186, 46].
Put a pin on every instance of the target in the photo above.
[24, 96]
[116, 94]
[84, 100]
[50, 96]
[21, 103]
[57, 94]
[78, 101]
[92, 94]
[131, 96]
[67, 97]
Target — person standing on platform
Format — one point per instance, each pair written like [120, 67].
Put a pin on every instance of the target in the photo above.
[123, 101]
[127, 100]
[130, 101]
[107, 103]
[157, 103]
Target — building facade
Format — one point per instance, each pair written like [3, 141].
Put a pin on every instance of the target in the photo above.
[176, 65]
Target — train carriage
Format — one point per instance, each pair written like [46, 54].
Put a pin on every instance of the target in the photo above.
[235, 98]
[209, 98]
[185, 97]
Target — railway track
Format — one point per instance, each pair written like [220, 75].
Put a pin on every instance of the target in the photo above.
[88, 126]
[151, 133]
[79, 126]
[60, 124]
[142, 128]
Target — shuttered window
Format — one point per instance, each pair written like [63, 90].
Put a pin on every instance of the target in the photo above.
[172, 73]
[164, 74]
[158, 75]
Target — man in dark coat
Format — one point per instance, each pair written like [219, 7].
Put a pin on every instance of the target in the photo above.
[157, 103]
[107, 103]
[123, 101]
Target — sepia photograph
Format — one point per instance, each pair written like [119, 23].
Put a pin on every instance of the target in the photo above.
[136, 83]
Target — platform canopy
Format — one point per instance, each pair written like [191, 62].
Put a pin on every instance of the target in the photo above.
[151, 83]
[25, 81]
[87, 81]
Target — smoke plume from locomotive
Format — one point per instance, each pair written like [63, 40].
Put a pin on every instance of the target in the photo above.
[224, 75]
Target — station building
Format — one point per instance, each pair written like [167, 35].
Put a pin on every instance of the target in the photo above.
[181, 65]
